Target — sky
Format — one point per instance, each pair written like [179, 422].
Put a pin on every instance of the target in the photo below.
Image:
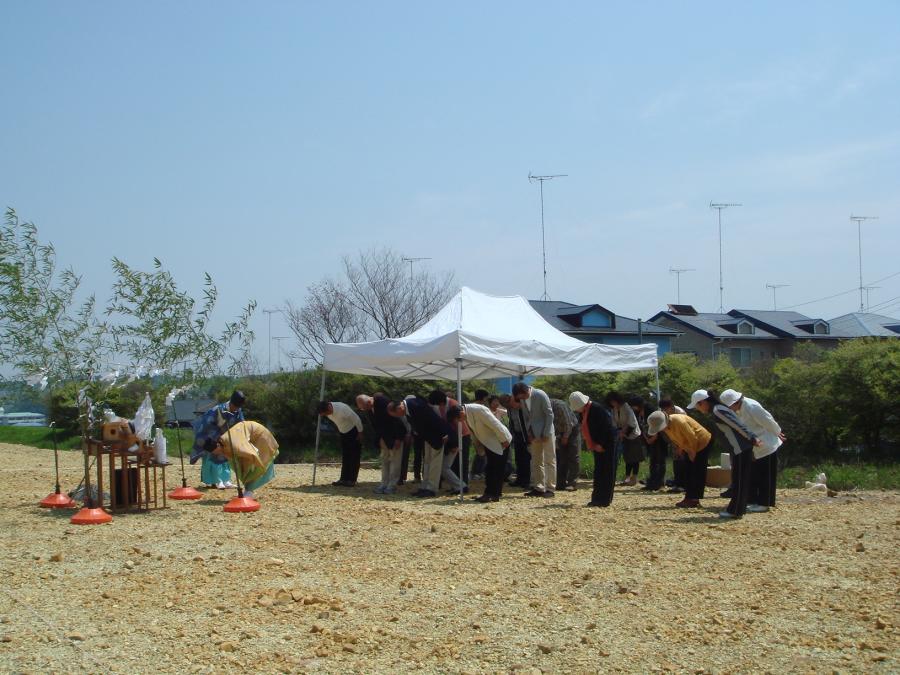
[261, 142]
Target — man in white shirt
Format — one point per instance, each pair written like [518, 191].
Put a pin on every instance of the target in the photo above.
[350, 427]
[494, 436]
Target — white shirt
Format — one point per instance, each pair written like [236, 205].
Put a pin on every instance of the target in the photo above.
[344, 418]
[760, 421]
[486, 428]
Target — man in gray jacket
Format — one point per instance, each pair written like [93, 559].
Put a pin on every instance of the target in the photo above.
[568, 445]
[543, 439]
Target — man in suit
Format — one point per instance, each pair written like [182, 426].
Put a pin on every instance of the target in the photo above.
[599, 436]
[433, 430]
[495, 438]
[389, 435]
[568, 445]
[543, 439]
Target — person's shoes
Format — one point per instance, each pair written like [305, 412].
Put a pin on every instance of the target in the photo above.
[339, 483]
[597, 505]
[727, 494]
[465, 491]
[621, 483]
[248, 494]
[642, 482]
[727, 515]
[229, 484]
[380, 490]
[426, 493]
[570, 488]
[401, 482]
[484, 499]
[675, 490]
[688, 503]
[220, 485]
[756, 508]
[534, 493]
[548, 493]
[630, 482]
[649, 488]
[349, 483]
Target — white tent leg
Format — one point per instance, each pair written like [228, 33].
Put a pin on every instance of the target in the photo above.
[318, 429]
[459, 434]
[657, 384]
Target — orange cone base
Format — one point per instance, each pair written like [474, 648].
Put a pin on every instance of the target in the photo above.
[90, 517]
[185, 493]
[57, 500]
[241, 505]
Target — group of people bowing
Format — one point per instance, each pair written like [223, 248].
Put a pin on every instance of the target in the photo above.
[534, 442]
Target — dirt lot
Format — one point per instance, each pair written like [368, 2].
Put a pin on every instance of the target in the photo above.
[340, 580]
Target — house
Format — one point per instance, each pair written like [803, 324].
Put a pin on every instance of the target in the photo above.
[744, 335]
[595, 323]
[864, 324]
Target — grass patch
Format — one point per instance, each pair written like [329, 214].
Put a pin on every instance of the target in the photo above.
[844, 476]
[38, 437]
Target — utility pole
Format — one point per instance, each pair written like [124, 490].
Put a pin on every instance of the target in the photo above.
[678, 271]
[278, 340]
[541, 179]
[718, 207]
[270, 312]
[774, 288]
[411, 261]
[859, 220]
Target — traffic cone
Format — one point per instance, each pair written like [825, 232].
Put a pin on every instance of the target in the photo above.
[57, 500]
[90, 516]
[185, 492]
[241, 504]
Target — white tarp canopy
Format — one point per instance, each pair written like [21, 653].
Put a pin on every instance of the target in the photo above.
[492, 336]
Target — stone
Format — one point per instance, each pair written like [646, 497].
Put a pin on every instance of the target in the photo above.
[56, 557]
[75, 636]
[228, 646]
[265, 601]
[545, 648]
[129, 564]
[860, 547]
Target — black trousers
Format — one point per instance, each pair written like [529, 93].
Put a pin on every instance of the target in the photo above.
[656, 453]
[493, 478]
[604, 477]
[764, 473]
[631, 468]
[523, 460]
[351, 451]
[696, 474]
[680, 468]
[741, 469]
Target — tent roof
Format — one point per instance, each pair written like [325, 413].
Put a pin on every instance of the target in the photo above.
[494, 336]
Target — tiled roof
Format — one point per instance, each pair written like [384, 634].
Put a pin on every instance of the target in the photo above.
[552, 310]
[784, 323]
[712, 324]
[865, 324]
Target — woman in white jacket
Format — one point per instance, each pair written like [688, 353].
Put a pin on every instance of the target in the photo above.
[765, 464]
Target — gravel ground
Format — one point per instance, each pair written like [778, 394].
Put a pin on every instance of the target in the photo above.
[342, 580]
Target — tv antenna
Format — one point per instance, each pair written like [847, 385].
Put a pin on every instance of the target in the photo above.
[678, 271]
[859, 221]
[541, 179]
[718, 207]
[411, 261]
[774, 288]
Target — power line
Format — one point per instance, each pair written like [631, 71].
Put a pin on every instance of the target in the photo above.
[837, 295]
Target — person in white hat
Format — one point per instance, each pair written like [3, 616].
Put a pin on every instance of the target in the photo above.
[764, 469]
[742, 441]
[691, 438]
[599, 437]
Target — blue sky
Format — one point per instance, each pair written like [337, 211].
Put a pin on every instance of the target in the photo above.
[263, 142]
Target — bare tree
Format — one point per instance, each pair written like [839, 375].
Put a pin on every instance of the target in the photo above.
[377, 298]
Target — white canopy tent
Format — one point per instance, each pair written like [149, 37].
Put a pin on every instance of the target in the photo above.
[477, 336]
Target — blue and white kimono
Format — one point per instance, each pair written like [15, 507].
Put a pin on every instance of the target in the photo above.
[208, 429]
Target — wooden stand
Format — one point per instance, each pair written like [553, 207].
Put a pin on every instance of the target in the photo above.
[144, 495]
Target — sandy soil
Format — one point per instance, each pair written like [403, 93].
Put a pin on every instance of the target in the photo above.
[341, 580]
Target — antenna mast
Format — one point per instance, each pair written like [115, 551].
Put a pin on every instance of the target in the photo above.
[541, 179]
[718, 207]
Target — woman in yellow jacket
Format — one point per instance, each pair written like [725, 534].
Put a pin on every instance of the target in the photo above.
[688, 436]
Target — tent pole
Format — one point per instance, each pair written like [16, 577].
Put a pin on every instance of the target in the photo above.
[459, 434]
[657, 384]
[318, 427]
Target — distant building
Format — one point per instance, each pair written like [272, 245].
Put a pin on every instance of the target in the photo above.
[596, 324]
[864, 324]
[744, 336]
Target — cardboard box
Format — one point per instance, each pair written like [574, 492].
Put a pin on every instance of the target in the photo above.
[717, 477]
